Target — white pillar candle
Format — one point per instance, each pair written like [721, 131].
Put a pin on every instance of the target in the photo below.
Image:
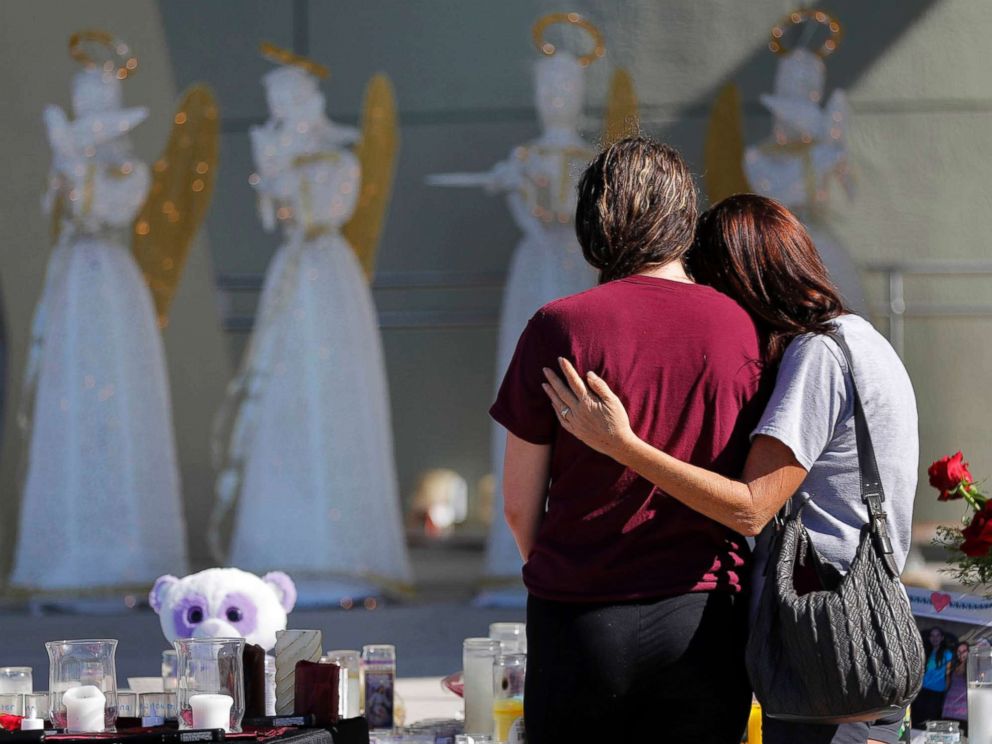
[84, 709]
[211, 711]
[980, 713]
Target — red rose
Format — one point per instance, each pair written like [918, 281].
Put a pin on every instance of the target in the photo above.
[978, 534]
[948, 474]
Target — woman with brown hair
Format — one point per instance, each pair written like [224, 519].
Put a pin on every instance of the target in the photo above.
[636, 622]
[956, 699]
[804, 448]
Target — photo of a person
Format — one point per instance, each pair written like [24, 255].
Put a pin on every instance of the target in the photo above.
[956, 700]
[379, 700]
[929, 704]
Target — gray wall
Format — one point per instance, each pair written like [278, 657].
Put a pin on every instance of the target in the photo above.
[913, 69]
[916, 72]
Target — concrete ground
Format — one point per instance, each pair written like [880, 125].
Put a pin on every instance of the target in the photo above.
[427, 630]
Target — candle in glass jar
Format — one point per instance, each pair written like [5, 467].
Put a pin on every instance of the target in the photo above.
[478, 655]
[11, 704]
[170, 671]
[980, 693]
[127, 704]
[270, 685]
[155, 708]
[379, 663]
[754, 723]
[979, 712]
[512, 637]
[36, 705]
[211, 711]
[349, 688]
[16, 679]
[84, 709]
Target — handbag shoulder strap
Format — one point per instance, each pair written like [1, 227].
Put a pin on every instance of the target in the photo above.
[872, 492]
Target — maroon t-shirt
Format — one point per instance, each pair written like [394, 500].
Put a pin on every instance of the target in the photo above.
[683, 358]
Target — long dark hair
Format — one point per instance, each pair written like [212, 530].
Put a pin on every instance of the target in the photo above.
[636, 208]
[947, 642]
[756, 251]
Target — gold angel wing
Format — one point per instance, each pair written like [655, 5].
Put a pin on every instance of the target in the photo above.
[376, 152]
[621, 118]
[723, 152]
[58, 212]
[182, 184]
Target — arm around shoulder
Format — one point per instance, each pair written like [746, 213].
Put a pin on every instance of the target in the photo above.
[771, 476]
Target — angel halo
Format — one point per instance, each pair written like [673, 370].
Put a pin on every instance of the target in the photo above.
[95, 410]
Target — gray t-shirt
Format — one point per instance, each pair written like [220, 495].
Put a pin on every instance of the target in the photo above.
[811, 411]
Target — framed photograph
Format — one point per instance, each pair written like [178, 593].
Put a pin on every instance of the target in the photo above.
[950, 625]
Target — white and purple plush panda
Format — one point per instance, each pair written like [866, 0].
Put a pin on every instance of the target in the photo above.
[224, 603]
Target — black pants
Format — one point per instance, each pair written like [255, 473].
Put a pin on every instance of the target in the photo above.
[928, 706]
[657, 670]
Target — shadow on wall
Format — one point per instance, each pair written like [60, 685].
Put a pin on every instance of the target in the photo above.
[870, 30]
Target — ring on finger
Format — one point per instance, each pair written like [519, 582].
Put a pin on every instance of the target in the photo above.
[565, 411]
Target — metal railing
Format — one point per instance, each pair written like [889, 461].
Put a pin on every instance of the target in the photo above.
[230, 284]
[897, 309]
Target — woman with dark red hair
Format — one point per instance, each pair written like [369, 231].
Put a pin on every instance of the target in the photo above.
[754, 250]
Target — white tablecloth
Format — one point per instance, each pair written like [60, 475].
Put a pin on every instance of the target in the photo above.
[425, 698]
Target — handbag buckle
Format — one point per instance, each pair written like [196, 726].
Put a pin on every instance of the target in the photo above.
[878, 519]
[782, 515]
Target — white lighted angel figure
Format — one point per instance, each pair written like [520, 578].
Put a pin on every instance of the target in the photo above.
[539, 180]
[805, 152]
[101, 503]
[304, 442]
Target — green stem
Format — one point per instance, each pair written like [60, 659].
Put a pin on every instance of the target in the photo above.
[975, 498]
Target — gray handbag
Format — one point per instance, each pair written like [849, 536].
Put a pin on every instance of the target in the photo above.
[850, 651]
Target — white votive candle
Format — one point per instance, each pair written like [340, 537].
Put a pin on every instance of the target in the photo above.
[84, 709]
[211, 711]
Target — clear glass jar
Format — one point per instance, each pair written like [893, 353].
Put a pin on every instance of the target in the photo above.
[980, 692]
[157, 707]
[36, 705]
[349, 681]
[211, 670]
[170, 670]
[270, 685]
[16, 679]
[478, 655]
[512, 637]
[379, 670]
[509, 673]
[127, 704]
[943, 732]
[11, 703]
[86, 671]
